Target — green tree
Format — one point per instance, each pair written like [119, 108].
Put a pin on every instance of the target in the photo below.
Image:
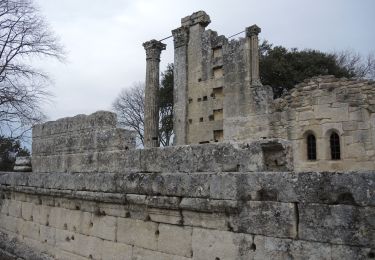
[166, 106]
[10, 148]
[282, 69]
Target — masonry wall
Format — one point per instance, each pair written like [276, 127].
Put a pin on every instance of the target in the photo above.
[320, 106]
[211, 201]
[259, 215]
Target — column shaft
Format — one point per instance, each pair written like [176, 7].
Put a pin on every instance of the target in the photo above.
[151, 117]
[252, 33]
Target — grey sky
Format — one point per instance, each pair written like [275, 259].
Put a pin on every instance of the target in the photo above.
[103, 39]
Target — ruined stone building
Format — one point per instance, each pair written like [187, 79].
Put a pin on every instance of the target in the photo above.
[239, 196]
[219, 97]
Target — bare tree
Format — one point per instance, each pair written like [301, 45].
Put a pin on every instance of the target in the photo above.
[24, 36]
[129, 106]
[360, 66]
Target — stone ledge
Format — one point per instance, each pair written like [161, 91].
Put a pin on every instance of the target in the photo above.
[353, 188]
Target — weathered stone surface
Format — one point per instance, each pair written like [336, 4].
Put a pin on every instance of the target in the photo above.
[276, 248]
[213, 244]
[175, 240]
[266, 218]
[338, 224]
[137, 233]
[22, 164]
[10, 247]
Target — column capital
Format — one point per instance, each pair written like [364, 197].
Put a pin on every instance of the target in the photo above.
[180, 36]
[253, 30]
[153, 49]
[199, 17]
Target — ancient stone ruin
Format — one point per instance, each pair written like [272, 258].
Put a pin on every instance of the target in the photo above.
[259, 192]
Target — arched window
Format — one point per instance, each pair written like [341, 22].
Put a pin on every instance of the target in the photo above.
[311, 147]
[335, 146]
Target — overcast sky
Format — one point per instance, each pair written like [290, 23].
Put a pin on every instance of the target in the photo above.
[103, 38]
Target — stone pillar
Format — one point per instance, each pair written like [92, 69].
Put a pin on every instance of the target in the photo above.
[252, 34]
[151, 117]
[180, 88]
[187, 61]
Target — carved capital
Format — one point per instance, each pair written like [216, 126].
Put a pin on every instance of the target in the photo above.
[199, 17]
[253, 30]
[153, 49]
[180, 37]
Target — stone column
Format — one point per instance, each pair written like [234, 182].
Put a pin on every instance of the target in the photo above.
[252, 34]
[151, 117]
[180, 88]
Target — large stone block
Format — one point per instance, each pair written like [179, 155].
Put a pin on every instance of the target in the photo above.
[340, 252]
[104, 227]
[213, 244]
[266, 218]
[205, 220]
[99, 119]
[137, 232]
[338, 224]
[145, 254]
[202, 158]
[276, 248]
[116, 251]
[175, 240]
[165, 216]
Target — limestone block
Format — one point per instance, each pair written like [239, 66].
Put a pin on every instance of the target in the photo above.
[110, 209]
[165, 216]
[214, 244]
[104, 227]
[8, 223]
[145, 254]
[19, 196]
[116, 251]
[4, 206]
[79, 244]
[339, 224]
[306, 115]
[28, 229]
[266, 218]
[15, 208]
[205, 220]
[47, 235]
[333, 113]
[176, 184]
[175, 240]
[208, 205]
[349, 125]
[340, 252]
[137, 232]
[276, 248]
[163, 201]
[59, 218]
[36, 247]
[41, 214]
[201, 158]
[63, 255]
[99, 119]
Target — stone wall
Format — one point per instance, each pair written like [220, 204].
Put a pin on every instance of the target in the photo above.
[208, 215]
[320, 106]
[212, 201]
[260, 215]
